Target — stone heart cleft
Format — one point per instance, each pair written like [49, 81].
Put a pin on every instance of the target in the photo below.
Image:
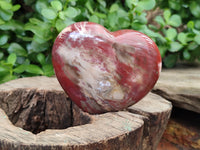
[105, 71]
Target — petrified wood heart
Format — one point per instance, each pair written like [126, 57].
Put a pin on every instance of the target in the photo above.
[105, 71]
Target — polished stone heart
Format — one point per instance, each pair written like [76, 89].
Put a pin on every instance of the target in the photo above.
[105, 71]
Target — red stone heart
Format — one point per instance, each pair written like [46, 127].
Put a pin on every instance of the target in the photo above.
[105, 71]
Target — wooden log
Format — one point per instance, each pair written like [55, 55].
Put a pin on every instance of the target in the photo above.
[181, 86]
[35, 113]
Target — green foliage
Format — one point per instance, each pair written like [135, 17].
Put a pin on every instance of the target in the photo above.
[180, 25]
[29, 27]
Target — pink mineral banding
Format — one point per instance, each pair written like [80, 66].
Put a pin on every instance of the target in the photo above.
[105, 71]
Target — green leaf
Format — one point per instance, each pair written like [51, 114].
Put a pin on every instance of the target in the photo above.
[171, 34]
[34, 69]
[16, 7]
[25, 38]
[39, 40]
[170, 60]
[139, 9]
[195, 31]
[149, 32]
[190, 37]
[12, 25]
[4, 71]
[48, 70]
[197, 39]
[163, 50]
[147, 4]
[42, 31]
[175, 4]
[124, 22]
[122, 13]
[160, 20]
[5, 5]
[112, 19]
[192, 46]
[138, 26]
[20, 60]
[61, 24]
[94, 18]
[89, 7]
[41, 4]
[100, 15]
[142, 18]
[195, 9]
[131, 3]
[49, 13]
[3, 39]
[20, 69]
[167, 15]
[7, 78]
[39, 47]
[114, 7]
[1, 21]
[57, 5]
[61, 15]
[12, 58]
[160, 39]
[49, 59]
[175, 46]
[186, 55]
[41, 58]
[175, 20]
[35, 21]
[190, 25]
[103, 3]
[17, 49]
[197, 24]
[71, 12]
[6, 14]
[182, 37]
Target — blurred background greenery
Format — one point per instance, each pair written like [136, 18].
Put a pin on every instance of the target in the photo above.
[28, 29]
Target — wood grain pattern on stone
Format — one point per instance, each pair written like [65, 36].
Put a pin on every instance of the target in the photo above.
[39, 105]
[105, 71]
[181, 86]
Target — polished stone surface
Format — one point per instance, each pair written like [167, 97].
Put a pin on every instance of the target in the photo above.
[105, 71]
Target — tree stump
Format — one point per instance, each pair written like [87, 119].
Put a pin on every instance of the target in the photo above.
[36, 114]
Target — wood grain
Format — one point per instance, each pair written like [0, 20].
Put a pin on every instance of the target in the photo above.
[181, 86]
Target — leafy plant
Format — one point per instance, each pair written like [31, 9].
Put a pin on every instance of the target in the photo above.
[29, 27]
[180, 29]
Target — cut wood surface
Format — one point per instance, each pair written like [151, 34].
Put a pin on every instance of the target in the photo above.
[36, 114]
[181, 86]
